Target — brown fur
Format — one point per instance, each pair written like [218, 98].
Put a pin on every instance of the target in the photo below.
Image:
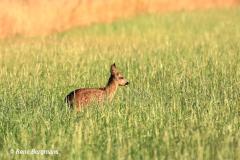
[84, 96]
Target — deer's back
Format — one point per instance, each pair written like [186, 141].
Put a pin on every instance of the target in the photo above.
[84, 96]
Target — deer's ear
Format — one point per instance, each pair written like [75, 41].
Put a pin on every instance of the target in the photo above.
[113, 68]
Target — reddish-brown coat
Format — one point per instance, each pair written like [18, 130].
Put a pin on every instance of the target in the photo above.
[84, 96]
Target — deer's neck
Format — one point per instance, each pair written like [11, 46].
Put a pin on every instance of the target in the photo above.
[111, 88]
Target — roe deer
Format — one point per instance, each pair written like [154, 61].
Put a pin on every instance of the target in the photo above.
[84, 96]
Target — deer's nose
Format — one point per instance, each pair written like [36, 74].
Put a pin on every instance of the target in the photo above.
[127, 83]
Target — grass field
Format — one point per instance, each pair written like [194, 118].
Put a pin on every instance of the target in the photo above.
[183, 101]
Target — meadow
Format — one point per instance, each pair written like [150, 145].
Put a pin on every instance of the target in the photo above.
[183, 101]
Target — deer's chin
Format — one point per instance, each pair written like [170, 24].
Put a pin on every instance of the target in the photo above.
[125, 84]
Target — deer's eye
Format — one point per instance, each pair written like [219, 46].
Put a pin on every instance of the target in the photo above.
[120, 77]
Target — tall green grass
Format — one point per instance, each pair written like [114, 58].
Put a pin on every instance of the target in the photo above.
[183, 101]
